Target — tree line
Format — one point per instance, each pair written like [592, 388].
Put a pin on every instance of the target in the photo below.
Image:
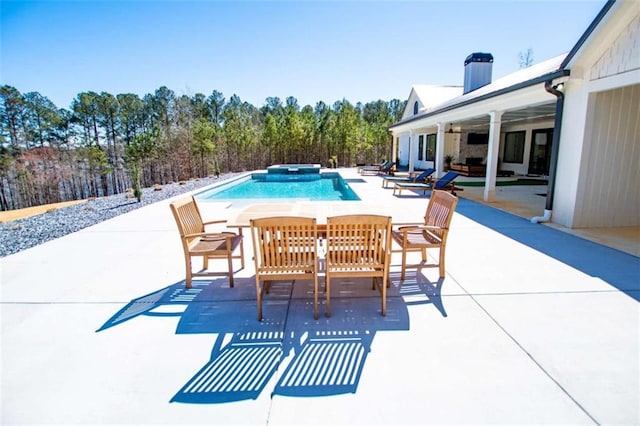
[105, 144]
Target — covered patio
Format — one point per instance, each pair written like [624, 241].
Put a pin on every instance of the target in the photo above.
[570, 118]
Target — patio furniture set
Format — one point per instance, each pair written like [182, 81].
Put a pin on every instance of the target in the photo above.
[289, 243]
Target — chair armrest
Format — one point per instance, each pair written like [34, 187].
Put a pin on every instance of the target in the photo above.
[422, 228]
[209, 236]
[212, 222]
[404, 224]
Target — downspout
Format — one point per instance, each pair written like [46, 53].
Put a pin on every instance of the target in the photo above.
[555, 148]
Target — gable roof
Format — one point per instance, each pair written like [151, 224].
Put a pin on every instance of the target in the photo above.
[429, 96]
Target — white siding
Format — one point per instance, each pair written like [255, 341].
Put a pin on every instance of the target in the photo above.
[623, 55]
[610, 174]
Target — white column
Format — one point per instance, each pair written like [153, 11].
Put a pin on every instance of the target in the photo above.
[492, 155]
[439, 163]
[394, 148]
[412, 137]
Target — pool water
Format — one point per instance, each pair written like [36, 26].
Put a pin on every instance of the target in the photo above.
[321, 187]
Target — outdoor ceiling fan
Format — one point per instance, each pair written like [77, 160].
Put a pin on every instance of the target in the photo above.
[451, 129]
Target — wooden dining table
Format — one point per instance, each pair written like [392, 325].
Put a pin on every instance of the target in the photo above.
[318, 210]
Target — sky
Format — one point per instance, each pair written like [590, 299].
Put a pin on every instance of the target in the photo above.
[361, 51]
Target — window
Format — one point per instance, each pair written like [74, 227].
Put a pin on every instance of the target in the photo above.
[420, 147]
[415, 107]
[431, 147]
[513, 147]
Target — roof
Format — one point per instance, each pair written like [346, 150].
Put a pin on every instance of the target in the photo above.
[534, 74]
[431, 96]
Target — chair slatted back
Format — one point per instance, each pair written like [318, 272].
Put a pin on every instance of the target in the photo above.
[187, 216]
[285, 245]
[356, 241]
[440, 210]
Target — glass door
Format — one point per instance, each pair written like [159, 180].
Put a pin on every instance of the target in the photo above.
[540, 157]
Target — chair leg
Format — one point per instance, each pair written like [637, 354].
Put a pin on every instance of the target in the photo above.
[441, 264]
[241, 252]
[315, 297]
[259, 299]
[404, 264]
[384, 295]
[327, 290]
[230, 266]
[187, 281]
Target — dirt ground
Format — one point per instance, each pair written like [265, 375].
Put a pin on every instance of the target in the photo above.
[8, 216]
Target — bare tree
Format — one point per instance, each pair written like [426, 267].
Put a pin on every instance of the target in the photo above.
[526, 58]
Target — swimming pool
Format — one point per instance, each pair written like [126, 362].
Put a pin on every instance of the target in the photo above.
[264, 187]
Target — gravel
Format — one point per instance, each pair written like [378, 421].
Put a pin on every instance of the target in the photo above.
[22, 234]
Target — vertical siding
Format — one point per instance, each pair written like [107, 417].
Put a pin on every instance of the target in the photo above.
[610, 181]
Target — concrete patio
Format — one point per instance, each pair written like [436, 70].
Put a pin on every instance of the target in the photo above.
[531, 325]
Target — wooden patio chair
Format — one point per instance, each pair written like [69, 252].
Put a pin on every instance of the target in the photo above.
[197, 242]
[358, 246]
[431, 234]
[285, 248]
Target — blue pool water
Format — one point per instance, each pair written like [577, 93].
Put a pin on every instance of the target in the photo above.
[265, 187]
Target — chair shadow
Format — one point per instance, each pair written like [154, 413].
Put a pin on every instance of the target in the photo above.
[237, 371]
[329, 355]
[318, 357]
[419, 290]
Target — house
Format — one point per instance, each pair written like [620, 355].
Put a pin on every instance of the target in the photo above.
[573, 118]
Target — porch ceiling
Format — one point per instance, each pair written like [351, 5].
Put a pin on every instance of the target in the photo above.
[527, 115]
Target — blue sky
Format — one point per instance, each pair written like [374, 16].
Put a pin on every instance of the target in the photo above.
[361, 51]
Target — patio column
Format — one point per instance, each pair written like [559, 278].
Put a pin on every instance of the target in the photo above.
[439, 163]
[492, 155]
[394, 148]
[411, 138]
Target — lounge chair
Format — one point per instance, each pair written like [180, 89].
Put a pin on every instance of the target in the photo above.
[430, 234]
[388, 169]
[197, 242]
[421, 178]
[373, 168]
[445, 183]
